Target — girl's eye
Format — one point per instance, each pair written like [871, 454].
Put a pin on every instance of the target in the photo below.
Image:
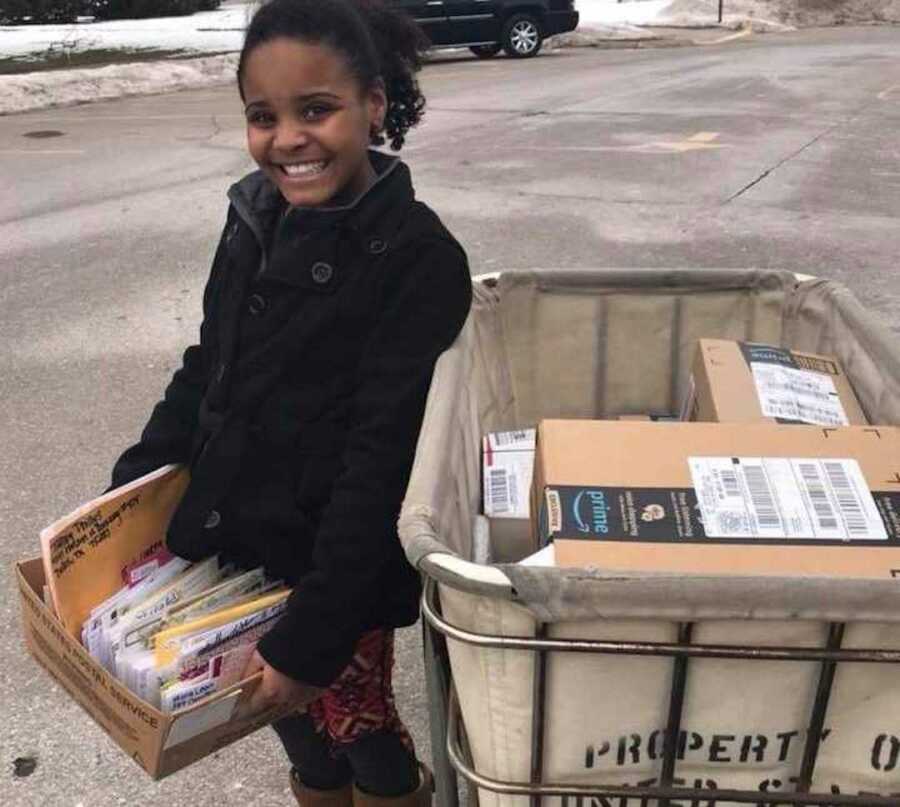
[261, 118]
[315, 112]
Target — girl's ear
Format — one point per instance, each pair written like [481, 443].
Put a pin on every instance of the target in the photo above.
[376, 105]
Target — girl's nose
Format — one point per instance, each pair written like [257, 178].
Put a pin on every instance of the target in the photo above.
[290, 136]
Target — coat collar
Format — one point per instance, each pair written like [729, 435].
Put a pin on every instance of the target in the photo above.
[311, 235]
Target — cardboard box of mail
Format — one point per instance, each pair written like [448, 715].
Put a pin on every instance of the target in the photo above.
[83, 566]
[735, 499]
[734, 382]
[160, 743]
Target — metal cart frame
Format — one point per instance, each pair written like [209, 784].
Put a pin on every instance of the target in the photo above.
[451, 757]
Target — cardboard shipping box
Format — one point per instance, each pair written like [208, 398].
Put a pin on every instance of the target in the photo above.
[734, 382]
[507, 465]
[160, 743]
[84, 556]
[744, 499]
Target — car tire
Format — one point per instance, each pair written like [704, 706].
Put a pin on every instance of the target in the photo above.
[522, 36]
[486, 51]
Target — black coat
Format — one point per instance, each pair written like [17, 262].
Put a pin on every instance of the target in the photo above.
[299, 410]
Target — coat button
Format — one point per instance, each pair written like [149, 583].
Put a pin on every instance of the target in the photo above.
[212, 520]
[322, 272]
[256, 304]
[377, 246]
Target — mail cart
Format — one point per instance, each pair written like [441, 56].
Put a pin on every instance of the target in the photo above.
[569, 686]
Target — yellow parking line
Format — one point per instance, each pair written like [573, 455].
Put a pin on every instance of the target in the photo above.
[696, 142]
[730, 38]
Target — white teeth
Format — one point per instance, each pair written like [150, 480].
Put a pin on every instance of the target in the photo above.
[303, 169]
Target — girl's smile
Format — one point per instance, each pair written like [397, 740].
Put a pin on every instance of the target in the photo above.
[297, 177]
[309, 121]
[299, 170]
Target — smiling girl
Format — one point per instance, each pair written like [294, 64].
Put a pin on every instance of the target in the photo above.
[332, 293]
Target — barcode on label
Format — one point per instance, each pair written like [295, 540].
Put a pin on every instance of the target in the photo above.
[498, 490]
[818, 496]
[762, 498]
[510, 438]
[847, 500]
[783, 497]
[730, 483]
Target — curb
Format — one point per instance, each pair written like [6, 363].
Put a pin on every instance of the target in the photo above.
[628, 44]
[584, 39]
[649, 42]
[581, 39]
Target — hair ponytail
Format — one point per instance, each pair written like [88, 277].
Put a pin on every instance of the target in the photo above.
[376, 41]
[400, 44]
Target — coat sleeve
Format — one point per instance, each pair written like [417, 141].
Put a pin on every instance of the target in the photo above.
[424, 304]
[168, 435]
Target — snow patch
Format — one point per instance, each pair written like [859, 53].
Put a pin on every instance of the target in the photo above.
[29, 91]
[780, 14]
[610, 13]
[203, 32]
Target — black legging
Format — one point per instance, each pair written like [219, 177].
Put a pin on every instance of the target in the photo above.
[378, 763]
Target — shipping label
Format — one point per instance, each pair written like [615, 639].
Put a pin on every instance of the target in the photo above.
[798, 395]
[797, 389]
[775, 497]
[519, 440]
[508, 469]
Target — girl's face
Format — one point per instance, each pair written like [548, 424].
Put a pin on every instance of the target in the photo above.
[309, 122]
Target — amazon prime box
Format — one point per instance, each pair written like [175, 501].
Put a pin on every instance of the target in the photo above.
[744, 499]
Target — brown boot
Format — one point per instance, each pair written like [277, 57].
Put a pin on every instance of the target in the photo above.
[420, 797]
[311, 797]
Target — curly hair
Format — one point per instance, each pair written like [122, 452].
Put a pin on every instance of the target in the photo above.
[375, 41]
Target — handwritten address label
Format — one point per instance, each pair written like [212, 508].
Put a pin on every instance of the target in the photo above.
[87, 533]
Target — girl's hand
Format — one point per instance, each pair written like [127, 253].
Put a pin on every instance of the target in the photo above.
[277, 689]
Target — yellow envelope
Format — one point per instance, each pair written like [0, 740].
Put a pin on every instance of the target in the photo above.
[85, 552]
[166, 643]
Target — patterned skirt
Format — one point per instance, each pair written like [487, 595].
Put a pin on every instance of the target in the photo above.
[361, 700]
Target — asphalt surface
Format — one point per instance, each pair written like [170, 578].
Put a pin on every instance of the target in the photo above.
[776, 151]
